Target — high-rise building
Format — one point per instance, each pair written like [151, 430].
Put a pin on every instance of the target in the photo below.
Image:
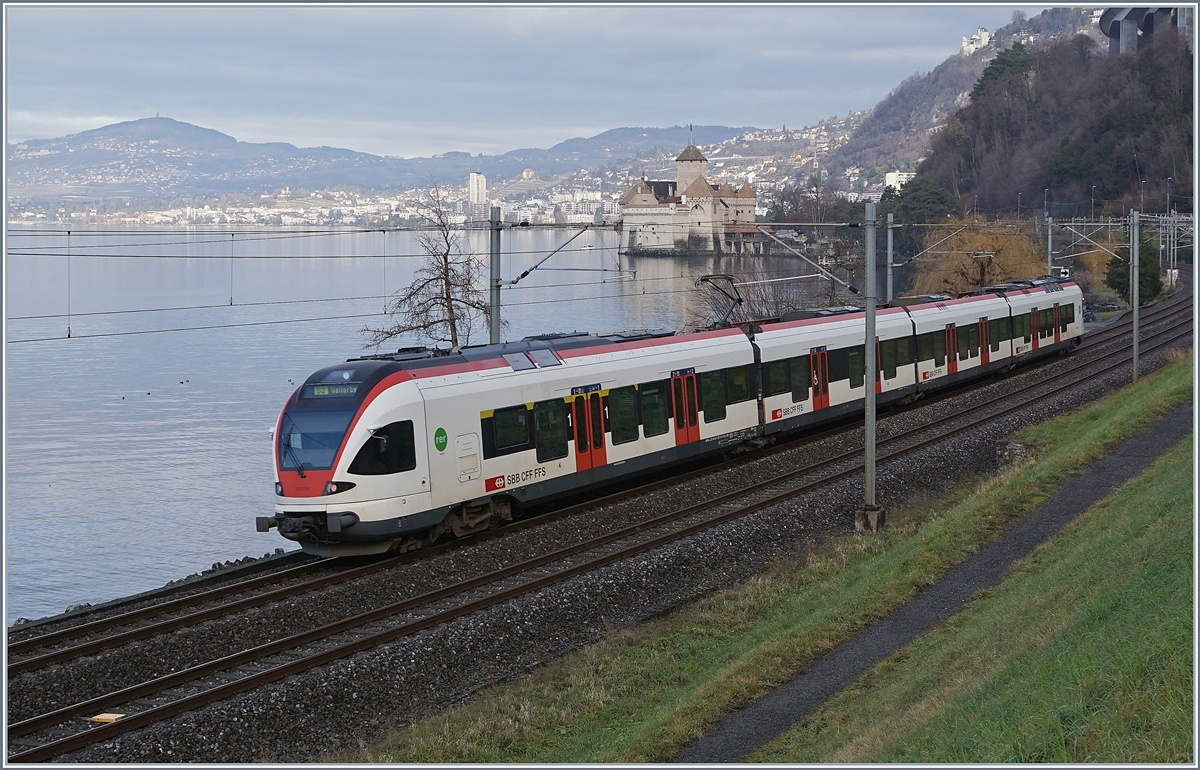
[477, 188]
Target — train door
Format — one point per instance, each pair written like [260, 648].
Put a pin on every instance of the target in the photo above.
[685, 407]
[878, 367]
[588, 418]
[1033, 328]
[1057, 333]
[820, 378]
[951, 349]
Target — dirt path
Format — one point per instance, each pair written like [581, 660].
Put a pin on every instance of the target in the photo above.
[745, 731]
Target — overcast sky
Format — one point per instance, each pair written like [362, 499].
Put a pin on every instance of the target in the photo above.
[413, 81]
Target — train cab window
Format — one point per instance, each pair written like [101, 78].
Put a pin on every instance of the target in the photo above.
[655, 407]
[390, 449]
[801, 378]
[511, 426]
[550, 429]
[712, 396]
[998, 329]
[776, 378]
[740, 384]
[622, 415]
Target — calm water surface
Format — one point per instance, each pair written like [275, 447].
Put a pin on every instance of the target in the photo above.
[137, 458]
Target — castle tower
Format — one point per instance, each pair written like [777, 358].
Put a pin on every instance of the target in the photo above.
[689, 166]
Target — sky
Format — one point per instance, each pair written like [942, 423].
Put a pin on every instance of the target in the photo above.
[418, 80]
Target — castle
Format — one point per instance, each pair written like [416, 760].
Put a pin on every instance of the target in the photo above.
[657, 217]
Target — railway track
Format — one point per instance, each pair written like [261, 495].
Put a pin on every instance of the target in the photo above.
[48, 735]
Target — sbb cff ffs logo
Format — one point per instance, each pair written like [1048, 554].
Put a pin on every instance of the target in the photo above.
[494, 483]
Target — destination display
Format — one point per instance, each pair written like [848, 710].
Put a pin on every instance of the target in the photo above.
[331, 390]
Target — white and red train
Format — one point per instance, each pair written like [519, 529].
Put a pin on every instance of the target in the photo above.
[391, 450]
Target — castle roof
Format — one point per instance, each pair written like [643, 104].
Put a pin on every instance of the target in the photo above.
[745, 192]
[699, 189]
[725, 191]
[691, 153]
[637, 189]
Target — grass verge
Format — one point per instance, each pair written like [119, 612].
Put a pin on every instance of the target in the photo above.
[645, 692]
[1082, 655]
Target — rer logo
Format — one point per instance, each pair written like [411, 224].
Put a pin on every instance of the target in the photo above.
[440, 439]
[491, 485]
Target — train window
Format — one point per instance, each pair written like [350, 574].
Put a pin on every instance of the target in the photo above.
[740, 380]
[801, 378]
[997, 332]
[887, 358]
[963, 340]
[855, 358]
[1020, 327]
[1068, 316]
[931, 346]
[622, 415]
[654, 407]
[839, 365]
[511, 427]
[712, 396]
[904, 351]
[1046, 323]
[550, 429]
[389, 450]
[776, 375]
[973, 339]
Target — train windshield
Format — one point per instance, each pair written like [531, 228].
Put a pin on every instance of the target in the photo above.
[310, 440]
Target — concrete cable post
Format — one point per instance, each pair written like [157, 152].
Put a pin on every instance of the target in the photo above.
[494, 299]
[1134, 258]
[889, 259]
[871, 513]
[1049, 245]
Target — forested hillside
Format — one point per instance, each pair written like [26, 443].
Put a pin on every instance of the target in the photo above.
[897, 131]
[1068, 117]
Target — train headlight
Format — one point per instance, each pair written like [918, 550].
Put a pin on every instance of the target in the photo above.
[336, 487]
[279, 489]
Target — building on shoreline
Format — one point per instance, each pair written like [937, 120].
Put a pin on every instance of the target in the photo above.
[689, 214]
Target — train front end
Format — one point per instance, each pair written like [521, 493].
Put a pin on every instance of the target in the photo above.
[351, 465]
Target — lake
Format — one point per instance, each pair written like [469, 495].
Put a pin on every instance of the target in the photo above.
[137, 451]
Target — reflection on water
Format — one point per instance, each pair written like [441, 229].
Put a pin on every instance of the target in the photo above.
[141, 457]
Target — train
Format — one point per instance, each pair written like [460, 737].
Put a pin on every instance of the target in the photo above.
[395, 451]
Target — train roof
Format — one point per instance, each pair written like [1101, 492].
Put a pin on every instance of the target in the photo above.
[413, 358]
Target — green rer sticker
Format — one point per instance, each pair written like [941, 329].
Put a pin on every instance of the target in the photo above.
[440, 439]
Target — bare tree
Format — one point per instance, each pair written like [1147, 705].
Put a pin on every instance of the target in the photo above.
[976, 257]
[444, 301]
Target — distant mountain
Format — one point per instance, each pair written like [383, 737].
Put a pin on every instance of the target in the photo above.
[165, 158]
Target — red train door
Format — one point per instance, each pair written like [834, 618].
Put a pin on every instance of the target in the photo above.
[1057, 333]
[985, 342]
[583, 441]
[820, 378]
[951, 349]
[588, 419]
[596, 429]
[685, 407]
[1033, 328]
